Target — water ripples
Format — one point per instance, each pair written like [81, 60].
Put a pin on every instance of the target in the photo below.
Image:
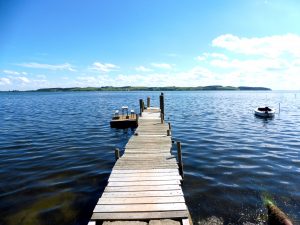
[57, 151]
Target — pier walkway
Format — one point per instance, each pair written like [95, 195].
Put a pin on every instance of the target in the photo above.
[145, 183]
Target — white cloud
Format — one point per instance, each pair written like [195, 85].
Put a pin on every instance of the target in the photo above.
[162, 65]
[4, 81]
[271, 46]
[12, 72]
[142, 69]
[65, 66]
[103, 67]
[196, 76]
[272, 61]
[213, 55]
[252, 65]
[23, 79]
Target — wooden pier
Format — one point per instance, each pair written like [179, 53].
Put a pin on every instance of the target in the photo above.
[145, 183]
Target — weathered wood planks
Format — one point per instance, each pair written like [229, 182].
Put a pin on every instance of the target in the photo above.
[140, 215]
[145, 182]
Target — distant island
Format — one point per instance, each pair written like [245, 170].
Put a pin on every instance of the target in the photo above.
[142, 88]
[170, 88]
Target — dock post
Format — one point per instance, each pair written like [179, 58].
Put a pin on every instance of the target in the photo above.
[117, 153]
[169, 125]
[168, 132]
[162, 118]
[148, 102]
[141, 106]
[179, 154]
[162, 103]
[137, 119]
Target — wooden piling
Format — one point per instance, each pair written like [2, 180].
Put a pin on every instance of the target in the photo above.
[148, 102]
[161, 118]
[168, 132]
[179, 155]
[162, 103]
[117, 153]
[137, 118]
[169, 125]
[141, 106]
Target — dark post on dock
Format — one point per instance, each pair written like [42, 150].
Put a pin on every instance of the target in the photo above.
[162, 103]
[145, 182]
[141, 107]
[148, 102]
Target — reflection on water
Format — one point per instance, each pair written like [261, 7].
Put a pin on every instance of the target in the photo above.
[57, 150]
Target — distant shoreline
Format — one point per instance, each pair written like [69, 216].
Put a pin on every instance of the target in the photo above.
[135, 88]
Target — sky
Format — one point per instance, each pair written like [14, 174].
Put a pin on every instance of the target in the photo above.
[77, 43]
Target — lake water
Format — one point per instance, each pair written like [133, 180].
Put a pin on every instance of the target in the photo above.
[57, 151]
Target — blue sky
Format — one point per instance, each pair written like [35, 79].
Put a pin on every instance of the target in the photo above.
[67, 43]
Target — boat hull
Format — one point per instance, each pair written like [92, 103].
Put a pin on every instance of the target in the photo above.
[265, 114]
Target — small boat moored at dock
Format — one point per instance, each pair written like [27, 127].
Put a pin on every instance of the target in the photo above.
[264, 111]
[124, 120]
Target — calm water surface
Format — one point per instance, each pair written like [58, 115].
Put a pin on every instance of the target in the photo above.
[57, 150]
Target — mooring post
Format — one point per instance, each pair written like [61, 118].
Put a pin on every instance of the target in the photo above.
[179, 156]
[148, 102]
[161, 117]
[117, 153]
[169, 125]
[137, 119]
[141, 106]
[162, 103]
[168, 132]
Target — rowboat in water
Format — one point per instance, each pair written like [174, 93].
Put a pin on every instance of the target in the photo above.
[264, 112]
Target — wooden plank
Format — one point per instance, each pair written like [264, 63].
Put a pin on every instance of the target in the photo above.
[129, 165]
[154, 151]
[142, 194]
[140, 215]
[150, 143]
[143, 178]
[144, 167]
[141, 207]
[147, 139]
[147, 165]
[146, 171]
[113, 174]
[143, 188]
[147, 147]
[142, 163]
[156, 158]
[144, 183]
[134, 138]
[144, 200]
[142, 154]
[146, 162]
